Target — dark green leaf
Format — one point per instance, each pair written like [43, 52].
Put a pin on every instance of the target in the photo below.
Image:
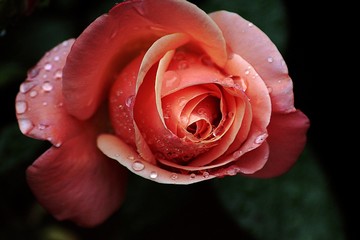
[297, 205]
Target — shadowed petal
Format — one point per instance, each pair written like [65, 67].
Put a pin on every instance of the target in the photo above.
[287, 138]
[77, 182]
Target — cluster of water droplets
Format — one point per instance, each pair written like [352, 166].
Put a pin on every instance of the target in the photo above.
[139, 166]
[39, 91]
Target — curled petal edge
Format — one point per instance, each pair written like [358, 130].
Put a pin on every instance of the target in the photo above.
[115, 148]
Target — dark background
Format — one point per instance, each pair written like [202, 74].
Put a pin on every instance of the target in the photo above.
[318, 39]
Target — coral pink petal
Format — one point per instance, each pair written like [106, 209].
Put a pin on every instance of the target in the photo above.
[113, 39]
[248, 41]
[77, 182]
[117, 149]
[39, 103]
[287, 139]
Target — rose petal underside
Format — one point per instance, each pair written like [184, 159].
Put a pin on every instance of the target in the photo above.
[248, 41]
[115, 38]
[77, 182]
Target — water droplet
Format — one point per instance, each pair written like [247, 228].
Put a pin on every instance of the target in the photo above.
[26, 86]
[182, 101]
[21, 107]
[47, 86]
[153, 175]
[33, 93]
[44, 103]
[270, 59]
[259, 139]
[65, 43]
[43, 126]
[231, 114]
[25, 125]
[174, 176]
[193, 175]
[131, 157]
[250, 24]
[247, 72]
[201, 111]
[130, 100]
[58, 74]
[171, 79]
[47, 66]
[206, 174]
[32, 73]
[270, 89]
[183, 65]
[237, 154]
[231, 171]
[138, 166]
[58, 144]
[56, 58]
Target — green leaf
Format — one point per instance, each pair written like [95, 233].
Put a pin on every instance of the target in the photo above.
[297, 205]
[268, 15]
[16, 149]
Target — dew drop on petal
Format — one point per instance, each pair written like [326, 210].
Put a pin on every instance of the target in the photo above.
[192, 175]
[26, 86]
[171, 79]
[259, 139]
[25, 125]
[33, 93]
[47, 86]
[270, 59]
[33, 72]
[56, 58]
[153, 175]
[138, 166]
[58, 74]
[47, 66]
[237, 154]
[205, 174]
[174, 176]
[129, 101]
[21, 107]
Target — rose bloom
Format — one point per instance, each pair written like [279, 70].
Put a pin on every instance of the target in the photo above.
[164, 90]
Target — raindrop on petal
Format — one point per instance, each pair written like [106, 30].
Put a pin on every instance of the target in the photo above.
[259, 139]
[26, 86]
[48, 66]
[153, 175]
[21, 107]
[25, 125]
[138, 166]
[47, 86]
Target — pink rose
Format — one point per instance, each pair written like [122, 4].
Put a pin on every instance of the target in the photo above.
[173, 94]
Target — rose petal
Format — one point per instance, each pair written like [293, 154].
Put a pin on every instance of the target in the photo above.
[115, 148]
[287, 138]
[248, 41]
[39, 103]
[77, 182]
[111, 40]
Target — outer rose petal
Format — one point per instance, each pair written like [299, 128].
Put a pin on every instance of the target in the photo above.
[77, 182]
[39, 103]
[255, 47]
[113, 39]
[287, 138]
[117, 149]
